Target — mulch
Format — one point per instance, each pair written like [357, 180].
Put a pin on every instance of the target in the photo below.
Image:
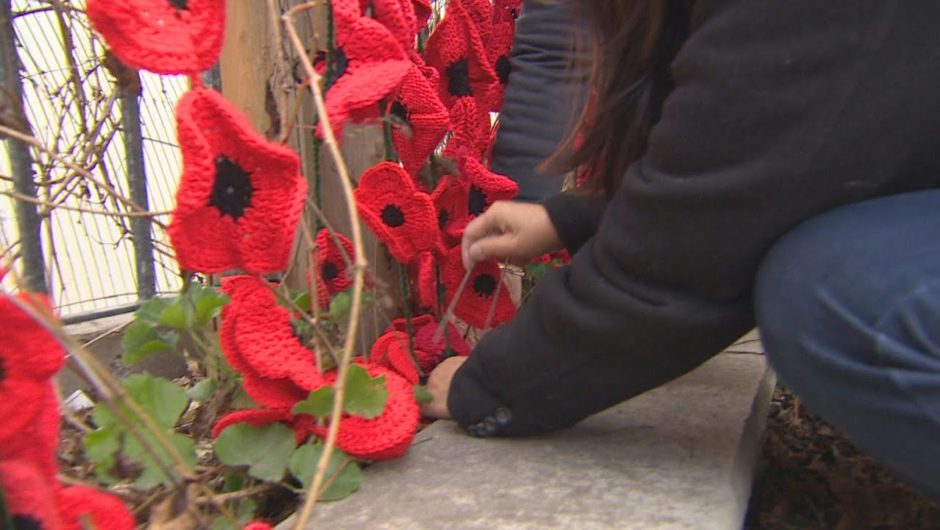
[811, 477]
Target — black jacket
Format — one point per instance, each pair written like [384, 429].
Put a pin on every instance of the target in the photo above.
[782, 110]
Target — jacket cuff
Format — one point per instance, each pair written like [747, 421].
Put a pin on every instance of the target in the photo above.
[472, 406]
[575, 217]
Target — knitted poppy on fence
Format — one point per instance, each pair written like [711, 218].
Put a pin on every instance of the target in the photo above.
[473, 306]
[423, 12]
[429, 352]
[426, 282]
[450, 198]
[78, 504]
[368, 64]
[29, 495]
[401, 216]
[457, 51]
[240, 197]
[331, 263]
[387, 436]
[486, 187]
[421, 120]
[162, 36]
[258, 339]
[391, 351]
[399, 17]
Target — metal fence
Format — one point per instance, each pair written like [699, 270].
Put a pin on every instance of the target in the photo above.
[93, 263]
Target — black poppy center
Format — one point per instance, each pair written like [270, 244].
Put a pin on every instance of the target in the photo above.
[25, 522]
[484, 285]
[180, 4]
[442, 218]
[330, 271]
[341, 62]
[3, 372]
[503, 68]
[399, 111]
[476, 202]
[459, 74]
[232, 189]
[393, 216]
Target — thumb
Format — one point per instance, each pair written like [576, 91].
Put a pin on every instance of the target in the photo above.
[495, 246]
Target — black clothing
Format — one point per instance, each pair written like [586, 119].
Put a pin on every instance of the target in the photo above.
[781, 111]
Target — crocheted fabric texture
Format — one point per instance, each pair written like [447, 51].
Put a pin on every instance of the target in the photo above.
[258, 340]
[331, 263]
[391, 351]
[398, 16]
[30, 495]
[240, 197]
[460, 199]
[369, 63]
[401, 216]
[387, 436]
[478, 297]
[421, 120]
[78, 503]
[162, 36]
[429, 352]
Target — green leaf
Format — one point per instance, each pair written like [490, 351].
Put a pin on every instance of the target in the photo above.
[151, 311]
[203, 390]
[207, 302]
[141, 340]
[340, 305]
[265, 450]
[365, 395]
[162, 399]
[422, 395]
[319, 403]
[302, 301]
[177, 316]
[100, 448]
[303, 464]
[153, 474]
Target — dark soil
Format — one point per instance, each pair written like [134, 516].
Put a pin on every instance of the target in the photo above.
[811, 477]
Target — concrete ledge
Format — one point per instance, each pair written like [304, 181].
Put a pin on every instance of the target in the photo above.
[680, 456]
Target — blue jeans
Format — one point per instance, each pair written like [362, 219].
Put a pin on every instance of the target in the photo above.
[848, 305]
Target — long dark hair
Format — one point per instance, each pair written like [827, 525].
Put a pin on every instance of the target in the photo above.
[632, 42]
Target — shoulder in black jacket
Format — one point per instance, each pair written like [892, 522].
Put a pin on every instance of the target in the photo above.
[781, 111]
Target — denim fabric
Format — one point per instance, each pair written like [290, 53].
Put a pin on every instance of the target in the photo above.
[848, 305]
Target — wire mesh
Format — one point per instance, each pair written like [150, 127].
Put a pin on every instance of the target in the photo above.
[71, 102]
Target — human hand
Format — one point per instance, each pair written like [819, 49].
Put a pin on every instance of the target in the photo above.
[509, 230]
[439, 386]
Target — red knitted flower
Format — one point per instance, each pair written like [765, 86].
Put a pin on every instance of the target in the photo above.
[162, 36]
[475, 302]
[391, 351]
[422, 120]
[389, 435]
[399, 215]
[427, 282]
[36, 443]
[497, 53]
[29, 356]
[423, 12]
[80, 505]
[450, 199]
[399, 17]
[239, 197]
[460, 199]
[431, 353]
[472, 126]
[457, 51]
[29, 495]
[331, 263]
[275, 392]
[486, 187]
[257, 525]
[368, 63]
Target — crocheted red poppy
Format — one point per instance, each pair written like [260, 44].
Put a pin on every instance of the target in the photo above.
[422, 120]
[389, 435]
[427, 282]
[79, 505]
[36, 443]
[162, 36]
[271, 392]
[399, 17]
[240, 197]
[460, 199]
[475, 302]
[256, 418]
[29, 495]
[331, 263]
[450, 198]
[486, 187]
[257, 525]
[430, 353]
[423, 12]
[472, 126]
[400, 216]
[456, 49]
[497, 53]
[369, 64]
[391, 351]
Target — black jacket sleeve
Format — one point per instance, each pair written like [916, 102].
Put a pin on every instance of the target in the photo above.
[575, 217]
[781, 111]
[544, 93]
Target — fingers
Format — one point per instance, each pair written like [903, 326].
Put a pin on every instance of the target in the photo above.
[496, 247]
[476, 230]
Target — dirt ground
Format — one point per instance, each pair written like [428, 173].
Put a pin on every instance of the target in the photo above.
[811, 477]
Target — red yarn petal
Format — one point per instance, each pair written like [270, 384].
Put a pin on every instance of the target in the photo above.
[470, 121]
[400, 216]
[331, 262]
[375, 65]
[399, 17]
[253, 417]
[486, 187]
[451, 197]
[391, 351]
[423, 118]
[27, 349]
[36, 441]
[423, 12]
[29, 495]
[257, 525]
[21, 400]
[475, 301]
[240, 197]
[155, 35]
[79, 505]
[429, 352]
[387, 436]
[427, 281]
